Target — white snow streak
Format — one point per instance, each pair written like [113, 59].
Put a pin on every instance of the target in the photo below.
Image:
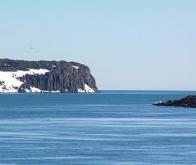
[76, 67]
[86, 89]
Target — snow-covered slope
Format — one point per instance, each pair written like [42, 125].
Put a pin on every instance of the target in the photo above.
[10, 82]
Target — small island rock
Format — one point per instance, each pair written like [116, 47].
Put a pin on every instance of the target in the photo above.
[189, 101]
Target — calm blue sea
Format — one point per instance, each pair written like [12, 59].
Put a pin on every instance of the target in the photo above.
[107, 128]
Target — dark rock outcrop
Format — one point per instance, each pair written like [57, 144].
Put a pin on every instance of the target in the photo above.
[61, 76]
[189, 101]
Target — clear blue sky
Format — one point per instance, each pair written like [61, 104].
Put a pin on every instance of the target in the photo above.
[128, 44]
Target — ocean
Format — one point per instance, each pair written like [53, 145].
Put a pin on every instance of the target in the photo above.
[106, 128]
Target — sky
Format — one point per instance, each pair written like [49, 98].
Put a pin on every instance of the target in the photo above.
[128, 44]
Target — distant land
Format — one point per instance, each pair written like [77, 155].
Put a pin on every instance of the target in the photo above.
[19, 76]
[189, 101]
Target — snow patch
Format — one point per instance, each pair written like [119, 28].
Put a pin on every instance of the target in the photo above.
[86, 89]
[80, 90]
[76, 67]
[50, 91]
[36, 90]
[10, 80]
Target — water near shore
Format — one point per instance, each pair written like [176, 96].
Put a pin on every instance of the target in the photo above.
[107, 128]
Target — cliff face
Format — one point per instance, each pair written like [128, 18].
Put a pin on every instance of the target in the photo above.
[45, 76]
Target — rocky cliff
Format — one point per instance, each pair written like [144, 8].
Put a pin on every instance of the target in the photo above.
[45, 76]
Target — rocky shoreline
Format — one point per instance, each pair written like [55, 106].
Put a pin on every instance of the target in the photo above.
[189, 101]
